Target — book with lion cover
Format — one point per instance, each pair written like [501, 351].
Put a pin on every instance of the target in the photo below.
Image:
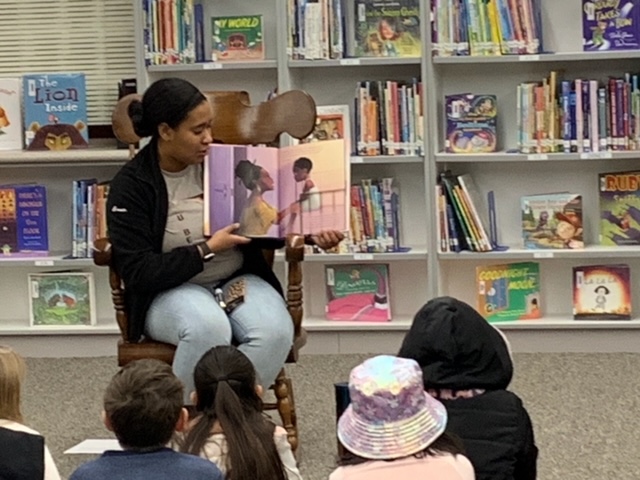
[55, 111]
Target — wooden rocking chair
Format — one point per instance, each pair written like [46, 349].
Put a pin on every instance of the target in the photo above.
[235, 122]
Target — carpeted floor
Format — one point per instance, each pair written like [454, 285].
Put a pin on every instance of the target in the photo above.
[584, 409]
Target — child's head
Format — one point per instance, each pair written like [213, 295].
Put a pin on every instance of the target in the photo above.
[228, 394]
[301, 168]
[12, 371]
[387, 28]
[143, 405]
[457, 348]
[390, 415]
[602, 290]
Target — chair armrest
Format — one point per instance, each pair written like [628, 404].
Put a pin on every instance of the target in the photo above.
[102, 252]
[294, 256]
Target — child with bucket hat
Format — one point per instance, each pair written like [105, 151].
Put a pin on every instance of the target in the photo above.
[466, 364]
[393, 428]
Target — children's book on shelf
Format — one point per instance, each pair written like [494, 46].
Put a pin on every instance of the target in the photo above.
[89, 200]
[61, 299]
[387, 28]
[169, 31]
[620, 208]
[610, 25]
[358, 292]
[55, 111]
[486, 27]
[552, 220]
[10, 114]
[272, 191]
[237, 38]
[463, 220]
[471, 123]
[602, 292]
[375, 216]
[332, 123]
[317, 29]
[23, 220]
[389, 118]
[509, 292]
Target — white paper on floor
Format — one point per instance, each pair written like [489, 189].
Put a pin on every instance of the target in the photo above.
[94, 446]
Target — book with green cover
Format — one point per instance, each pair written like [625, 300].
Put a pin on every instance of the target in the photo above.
[61, 299]
[508, 292]
[237, 38]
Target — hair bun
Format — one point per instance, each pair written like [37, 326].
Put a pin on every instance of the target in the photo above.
[136, 113]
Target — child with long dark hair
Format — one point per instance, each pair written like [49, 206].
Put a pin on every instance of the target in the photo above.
[229, 427]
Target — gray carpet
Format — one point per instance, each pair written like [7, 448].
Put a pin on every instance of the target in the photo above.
[584, 410]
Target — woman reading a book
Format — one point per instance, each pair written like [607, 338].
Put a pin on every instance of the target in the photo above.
[175, 277]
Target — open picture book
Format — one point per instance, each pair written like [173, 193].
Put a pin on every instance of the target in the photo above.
[272, 192]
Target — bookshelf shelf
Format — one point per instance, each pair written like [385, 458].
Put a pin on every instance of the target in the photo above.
[541, 58]
[354, 62]
[55, 260]
[80, 157]
[324, 325]
[557, 322]
[203, 67]
[12, 328]
[385, 159]
[500, 157]
[590, 252]
[413, 255]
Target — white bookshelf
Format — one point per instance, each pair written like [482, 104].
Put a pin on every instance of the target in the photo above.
[420, 274]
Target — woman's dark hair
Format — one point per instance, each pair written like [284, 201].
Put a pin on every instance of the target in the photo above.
[303, 163]
[447, 443]
[169, 101]
[606, 290]
[248, 173]
[225, 383]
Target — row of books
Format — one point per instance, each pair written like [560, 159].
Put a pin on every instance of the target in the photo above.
[374, 216]
[44, 112]
[334, 29]
[579, 115]
[170, 30]
[511, 291]
[389, 118]
[486, 27]
[89, 218]
[548, 221]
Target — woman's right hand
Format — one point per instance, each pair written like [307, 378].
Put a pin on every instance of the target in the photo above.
[225, 239]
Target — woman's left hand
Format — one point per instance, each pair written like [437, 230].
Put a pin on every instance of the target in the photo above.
[327, 239]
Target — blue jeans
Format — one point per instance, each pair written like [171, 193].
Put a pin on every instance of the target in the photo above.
[189, 317]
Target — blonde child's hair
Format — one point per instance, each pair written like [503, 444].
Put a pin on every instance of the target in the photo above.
[12, 372]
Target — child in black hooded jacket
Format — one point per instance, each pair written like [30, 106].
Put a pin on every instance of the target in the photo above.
[467, 365]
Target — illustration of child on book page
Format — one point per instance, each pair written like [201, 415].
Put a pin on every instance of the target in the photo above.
[258, 215]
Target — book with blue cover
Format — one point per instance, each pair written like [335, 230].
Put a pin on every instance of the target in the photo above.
[23, 220]
[55, 111]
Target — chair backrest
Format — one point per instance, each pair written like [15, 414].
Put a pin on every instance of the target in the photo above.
[236, 121]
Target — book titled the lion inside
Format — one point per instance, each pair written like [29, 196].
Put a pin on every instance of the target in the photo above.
[272, 192]
[602, 292]
[508, 292]
[55, 111]
[357, 292]
[62, 299]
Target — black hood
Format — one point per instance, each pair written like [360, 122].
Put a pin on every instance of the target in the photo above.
[457, 348]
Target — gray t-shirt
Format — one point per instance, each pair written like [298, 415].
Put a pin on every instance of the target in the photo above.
[185, 224]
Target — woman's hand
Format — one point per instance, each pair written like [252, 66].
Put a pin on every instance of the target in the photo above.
[327, 239]
[224, 239]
